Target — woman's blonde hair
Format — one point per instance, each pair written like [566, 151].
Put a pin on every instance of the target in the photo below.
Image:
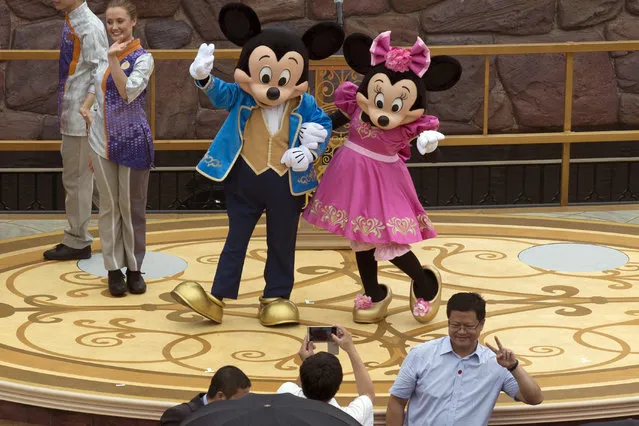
[126, 5]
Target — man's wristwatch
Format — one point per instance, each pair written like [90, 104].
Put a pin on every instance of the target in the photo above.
[511, 369]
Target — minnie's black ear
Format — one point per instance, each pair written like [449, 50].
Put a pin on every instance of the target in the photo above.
[323, 39]
[239, 23]
[357, 52]
[443, 73]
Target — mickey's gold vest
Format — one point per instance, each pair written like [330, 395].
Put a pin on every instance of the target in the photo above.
[261, 150]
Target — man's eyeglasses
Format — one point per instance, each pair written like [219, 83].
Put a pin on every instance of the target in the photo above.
[454, 326]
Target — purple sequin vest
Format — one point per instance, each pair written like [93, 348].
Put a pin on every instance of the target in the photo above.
[64, 63]
[129, 140]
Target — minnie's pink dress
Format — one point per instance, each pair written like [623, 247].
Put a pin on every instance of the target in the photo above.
[366, 193]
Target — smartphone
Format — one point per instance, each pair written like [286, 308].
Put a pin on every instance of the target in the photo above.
[321, 334]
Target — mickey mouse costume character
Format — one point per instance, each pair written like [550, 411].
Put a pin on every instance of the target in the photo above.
[366, 193]
[264, 154]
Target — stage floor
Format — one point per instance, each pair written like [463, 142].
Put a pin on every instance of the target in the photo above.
[66, 343]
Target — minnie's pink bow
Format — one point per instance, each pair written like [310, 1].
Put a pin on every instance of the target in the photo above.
[417, 59]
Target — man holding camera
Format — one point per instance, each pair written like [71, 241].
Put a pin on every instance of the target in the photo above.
[321, 376]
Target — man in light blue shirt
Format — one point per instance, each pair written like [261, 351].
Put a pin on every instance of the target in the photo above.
[455, 381]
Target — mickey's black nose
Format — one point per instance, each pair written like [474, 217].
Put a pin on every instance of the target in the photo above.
[383, 121]
[273, 93]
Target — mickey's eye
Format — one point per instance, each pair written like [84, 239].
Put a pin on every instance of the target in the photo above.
[397, 105]
[379, 100]
[285, 76]
[265, 75]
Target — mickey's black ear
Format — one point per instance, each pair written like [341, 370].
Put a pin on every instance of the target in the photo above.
[443, 73]
[239, 23]
[323, 39]
[357, 52]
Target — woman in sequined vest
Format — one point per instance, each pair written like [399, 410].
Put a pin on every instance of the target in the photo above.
[122, 151]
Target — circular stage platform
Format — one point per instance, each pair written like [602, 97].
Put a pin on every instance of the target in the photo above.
[66, 343]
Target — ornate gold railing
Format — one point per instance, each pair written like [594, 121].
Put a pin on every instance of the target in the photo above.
[566, 137]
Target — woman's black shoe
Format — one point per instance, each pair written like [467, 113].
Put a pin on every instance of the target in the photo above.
[135, 282]
[117, 286]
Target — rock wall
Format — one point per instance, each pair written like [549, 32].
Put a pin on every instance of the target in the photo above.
[526, 91]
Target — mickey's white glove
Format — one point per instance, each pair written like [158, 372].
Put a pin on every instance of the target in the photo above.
[428, 140]
[312, 134]
[203, 64]
[298, 159]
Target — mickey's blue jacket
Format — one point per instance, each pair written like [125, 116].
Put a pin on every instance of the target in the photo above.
[227, 144]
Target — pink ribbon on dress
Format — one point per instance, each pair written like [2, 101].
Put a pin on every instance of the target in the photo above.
[417, 59]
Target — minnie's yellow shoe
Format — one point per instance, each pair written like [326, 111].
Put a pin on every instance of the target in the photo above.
[376, 312]
[425, 312]
[277, 311]
[194, 297]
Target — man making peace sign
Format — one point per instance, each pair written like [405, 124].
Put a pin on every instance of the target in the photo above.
[454, 380]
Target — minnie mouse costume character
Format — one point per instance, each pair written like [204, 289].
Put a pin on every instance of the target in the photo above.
[264, 154]
[366, 193]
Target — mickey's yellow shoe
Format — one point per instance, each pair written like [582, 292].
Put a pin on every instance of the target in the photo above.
[425, 310]
[194, 297]
[277, 311]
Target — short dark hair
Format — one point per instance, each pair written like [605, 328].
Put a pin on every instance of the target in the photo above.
[321, 375]
[228, 380]
[466, 302]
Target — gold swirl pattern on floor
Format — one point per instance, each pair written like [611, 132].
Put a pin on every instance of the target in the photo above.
[64, 334]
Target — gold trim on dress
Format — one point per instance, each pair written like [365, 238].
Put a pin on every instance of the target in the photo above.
[424, 222]
[316, 206]
[366, 130]
[334, 216]
[368, 226]
[402, 226]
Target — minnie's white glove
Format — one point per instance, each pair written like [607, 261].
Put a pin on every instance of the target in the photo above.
[312, 134]
[203, 64]
[428, 140]
[298, 158]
